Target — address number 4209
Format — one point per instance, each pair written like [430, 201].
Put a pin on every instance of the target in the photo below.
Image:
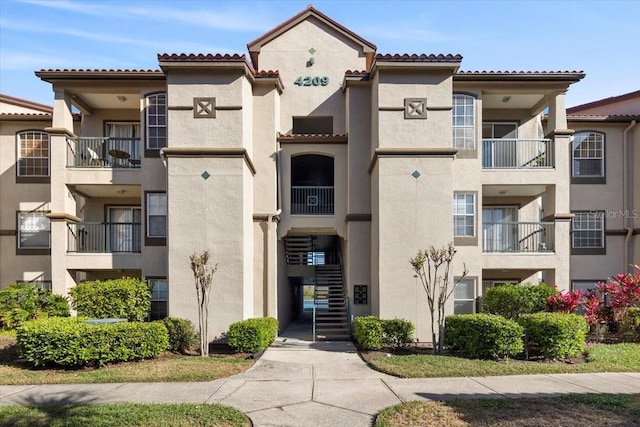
[312, 81]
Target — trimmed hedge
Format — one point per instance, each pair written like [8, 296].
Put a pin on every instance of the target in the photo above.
[367, 331]
[511, 301]
[69, 342]
[372, 333]
[252, 335]
[20, 302]
[125, 298]
[182, 334]
[483, 336]
[557, 335]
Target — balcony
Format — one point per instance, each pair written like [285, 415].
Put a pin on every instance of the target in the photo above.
[518, 237]
[506, 153]
[109, 237]
[103, 152]
[312, 200]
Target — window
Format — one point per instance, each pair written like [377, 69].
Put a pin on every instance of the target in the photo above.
[588, 155]
[157, 215]
[464, 132]
[124, 137]
[159, 293]
[33, 153]
[584, 285]
[464, 208]
[464, 297]
[34, 230]
[588, 230]
[156, 116]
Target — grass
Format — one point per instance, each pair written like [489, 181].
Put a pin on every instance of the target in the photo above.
[600, 358]
[123, 415]
[166, 368]
[574, 410]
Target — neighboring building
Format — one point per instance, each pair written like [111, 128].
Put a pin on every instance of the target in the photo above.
[314, 161]
[605, 188]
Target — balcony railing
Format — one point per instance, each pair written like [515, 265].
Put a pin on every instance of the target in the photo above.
[518, 236]
[103, 152]
[315, 200]
[103, 237]
[517, 153]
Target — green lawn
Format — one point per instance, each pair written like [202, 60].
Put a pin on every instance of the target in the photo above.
[601, 358]
[570, 410]
[123, 415]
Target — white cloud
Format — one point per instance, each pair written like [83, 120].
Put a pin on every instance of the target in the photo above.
[242, 18]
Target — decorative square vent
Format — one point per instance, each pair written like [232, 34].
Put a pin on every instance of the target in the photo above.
[204, 108]
[415, 108]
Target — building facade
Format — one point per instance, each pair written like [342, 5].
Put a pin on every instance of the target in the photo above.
[312, 163]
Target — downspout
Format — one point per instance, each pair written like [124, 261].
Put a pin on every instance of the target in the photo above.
[272, 279]
[628, 226]
[163, 156]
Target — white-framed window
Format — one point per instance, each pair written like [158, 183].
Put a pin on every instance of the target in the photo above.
[156, 214]
[464, 215]
[156, 120]
[464, 297]
[588, 230]
[587, 155]
[159, 298]
[34, 230]
[464, 119]
[33, 153]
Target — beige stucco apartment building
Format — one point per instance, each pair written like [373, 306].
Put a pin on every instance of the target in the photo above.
[314, 161]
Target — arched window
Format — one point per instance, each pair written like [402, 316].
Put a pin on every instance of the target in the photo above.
[464, 119]
[312, 191]
[33, 153]
[587, 155]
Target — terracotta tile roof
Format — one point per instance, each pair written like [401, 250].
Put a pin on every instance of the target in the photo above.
[194, 57]
[419, 58]
[604, 101]
[294, 20]
[355, 73]
[26, 103]
[104, 70]
[602, 117]
[312, 138]
[572, 76]
[267, 74]
[37, 116]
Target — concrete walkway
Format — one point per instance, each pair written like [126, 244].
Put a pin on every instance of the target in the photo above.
[300, 383]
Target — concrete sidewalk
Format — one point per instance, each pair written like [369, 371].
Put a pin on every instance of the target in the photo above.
[301, 383]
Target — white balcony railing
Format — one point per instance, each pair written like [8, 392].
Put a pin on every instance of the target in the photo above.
[103, 152]
[312, 200]
[517, 153]
[518, 236]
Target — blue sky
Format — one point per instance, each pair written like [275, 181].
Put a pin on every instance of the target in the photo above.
[600, 38]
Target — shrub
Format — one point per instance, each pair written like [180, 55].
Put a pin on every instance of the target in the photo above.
[557, 335]
[483, 336]
[372, 333]
[630, 323]
[182, 334]
[511, 301]
[126, 298]
[252, 335]
[71, 343]
[397, 332]
[20, 302]
[367, 331]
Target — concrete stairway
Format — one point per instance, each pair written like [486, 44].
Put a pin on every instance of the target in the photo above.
[331, 319]
[297, 249]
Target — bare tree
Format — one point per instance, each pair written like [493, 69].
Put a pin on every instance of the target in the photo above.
[432, 266]
[203, 276]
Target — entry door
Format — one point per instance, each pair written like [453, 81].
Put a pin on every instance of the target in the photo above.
[500, 229]
[124, 229]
